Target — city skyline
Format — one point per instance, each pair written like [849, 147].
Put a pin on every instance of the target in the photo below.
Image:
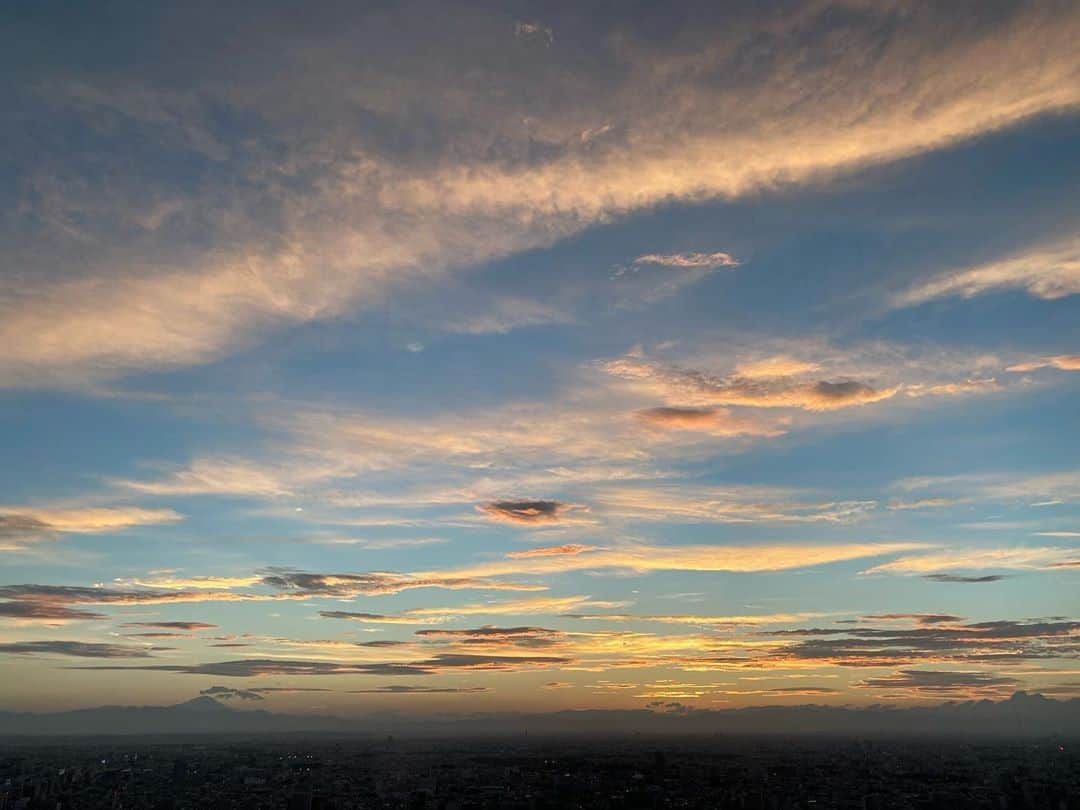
[432, 358]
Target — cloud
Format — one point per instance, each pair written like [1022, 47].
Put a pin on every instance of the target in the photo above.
[722, 621]
[776, 366]
[686, 388]
[527, 512]
[367, 211]
[644, 558]
[73, 595]
[172, 583]
[223, 476]
[22, 526]
[1047, 272]
[709, 261]
[370, 618]
[1037, 558]
[953, 389]
[715, 421]
[922, 503]
[512, 607]
[377, 583]
[781, 691]
[45, 611]
[77, 649]
[918, 618]
[443, 662]
[935, 682]
[1055, 487]
[723, 504]
[492, 636]
[497, 315]
[1064, 362]
[420, 690]
[382, 545]
[1003, 642]
[589, 435]
[962, 579]
[552, 551]
[189, 626]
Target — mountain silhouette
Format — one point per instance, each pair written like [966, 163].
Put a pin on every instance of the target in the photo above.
[1021, 715]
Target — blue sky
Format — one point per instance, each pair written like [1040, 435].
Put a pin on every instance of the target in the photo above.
[720, 356]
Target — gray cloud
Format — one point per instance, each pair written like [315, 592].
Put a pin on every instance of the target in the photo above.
[443, 662]
[15, 529]
[377, 582]
[501, 636]
[45, 612]
[420, 690]
[77, 649]
[997, 641]
[918, 618]
[957, 578]
[525, 512]
[940, 681]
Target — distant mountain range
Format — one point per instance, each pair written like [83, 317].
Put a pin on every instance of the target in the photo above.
[1021, 715]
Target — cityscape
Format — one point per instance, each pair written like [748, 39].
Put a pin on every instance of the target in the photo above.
[627, 772]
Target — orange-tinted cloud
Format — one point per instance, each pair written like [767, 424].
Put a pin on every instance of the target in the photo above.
[1064, 362]
[528, 513]
[552, 551]
[715, 421]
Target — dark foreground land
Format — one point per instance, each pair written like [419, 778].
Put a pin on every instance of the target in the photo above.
[617, 773]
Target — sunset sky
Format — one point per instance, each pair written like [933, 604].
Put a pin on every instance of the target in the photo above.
[436, 357]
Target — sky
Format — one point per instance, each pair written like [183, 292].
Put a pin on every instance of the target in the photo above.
[445, 357]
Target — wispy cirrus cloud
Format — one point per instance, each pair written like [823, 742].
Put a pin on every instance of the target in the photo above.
[511, 607]
[1047, 272]
[197, 583]
[750, 620]
[1063, 362]
[374, 215]
[188, 626]
[644, 558]
[551, 551]
[1060, 486]
[23, 526]
[686, 503]
[976, 559]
